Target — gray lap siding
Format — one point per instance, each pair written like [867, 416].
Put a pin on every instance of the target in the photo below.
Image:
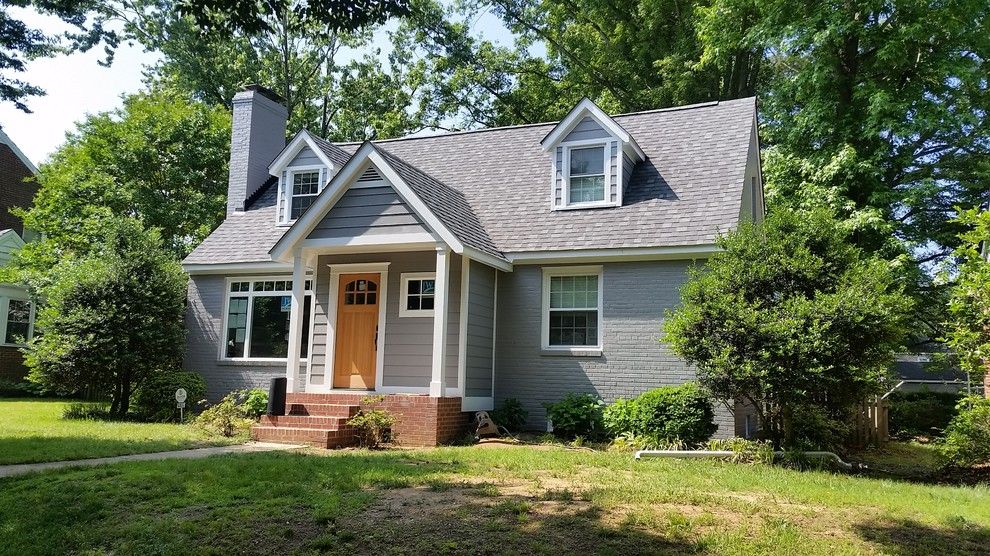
[635, 296]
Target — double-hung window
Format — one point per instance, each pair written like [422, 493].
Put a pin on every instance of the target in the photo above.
[586, 181]
[257, 319]
[18, 322]
[304, 186]
[418, 291]
[572, 312]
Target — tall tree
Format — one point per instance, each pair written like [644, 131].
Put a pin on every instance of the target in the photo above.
[160, 158]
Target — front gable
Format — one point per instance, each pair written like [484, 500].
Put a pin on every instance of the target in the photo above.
[370, 206]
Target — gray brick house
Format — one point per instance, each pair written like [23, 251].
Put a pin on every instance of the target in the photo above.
[449, 272]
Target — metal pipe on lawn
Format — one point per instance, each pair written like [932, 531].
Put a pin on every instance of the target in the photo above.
[690, 454]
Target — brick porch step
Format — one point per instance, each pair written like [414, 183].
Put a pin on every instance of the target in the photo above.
[345, 398]
[304, 421]
[320, 438]
[322, 409]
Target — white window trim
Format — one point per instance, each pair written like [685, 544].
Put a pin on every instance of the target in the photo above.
[565, 172]
[550, 272]
[4, 311]
[222, 355]
[285, 189]
[404, 279]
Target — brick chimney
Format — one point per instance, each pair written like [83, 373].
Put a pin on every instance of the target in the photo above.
[257, 136]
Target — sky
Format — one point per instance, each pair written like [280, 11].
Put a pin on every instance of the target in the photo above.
[77, 85]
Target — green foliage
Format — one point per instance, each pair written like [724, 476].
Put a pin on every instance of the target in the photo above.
[667, 414]
[510, 414]
[967, 438]
[94, 411]
[254, 402]
[921, 413]
[155, 399]
[226, 417]
[159, 158]
[968, 330]
[744, 451]
[789, 315]
[576, 415]
[373, 425]
[20, 389]
[112, 319]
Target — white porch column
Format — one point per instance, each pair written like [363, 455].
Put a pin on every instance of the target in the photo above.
[440, 321]
[295, 320]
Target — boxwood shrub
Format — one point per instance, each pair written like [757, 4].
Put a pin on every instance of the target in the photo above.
[155, 399]
[669, 414]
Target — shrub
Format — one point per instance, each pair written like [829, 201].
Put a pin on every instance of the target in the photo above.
[510, 415]
[98, 411]
[255, 402]
[11, 389]
[155, 399]
[226, 418]
[967, 438]
[664, 415]
[576, 415]
[373, 425]
[921, 413]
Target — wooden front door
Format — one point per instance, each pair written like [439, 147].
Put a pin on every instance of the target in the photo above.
[356, 344]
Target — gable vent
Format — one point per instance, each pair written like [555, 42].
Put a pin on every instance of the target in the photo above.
[371, 174]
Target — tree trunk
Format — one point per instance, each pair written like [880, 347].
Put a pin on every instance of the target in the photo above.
[787, 422]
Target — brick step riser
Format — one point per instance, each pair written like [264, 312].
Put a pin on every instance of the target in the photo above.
[312, 437]
[345, 399]
[321, 410]
[304, 422]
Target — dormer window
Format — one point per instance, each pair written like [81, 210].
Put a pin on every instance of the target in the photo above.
[586, 182]
[305, 188]
[592, 159]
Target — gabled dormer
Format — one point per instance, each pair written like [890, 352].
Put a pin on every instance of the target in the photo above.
[303, 168]
[591, 159]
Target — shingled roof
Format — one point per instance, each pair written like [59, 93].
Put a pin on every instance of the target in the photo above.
[495, 183]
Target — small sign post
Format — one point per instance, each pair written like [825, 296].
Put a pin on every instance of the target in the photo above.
[180, 400]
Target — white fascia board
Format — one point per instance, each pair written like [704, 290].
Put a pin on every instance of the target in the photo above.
[613, 255]
[303, 138]
[234, 268]
[485, 258]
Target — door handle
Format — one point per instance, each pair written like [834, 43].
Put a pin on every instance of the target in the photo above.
[375, 342]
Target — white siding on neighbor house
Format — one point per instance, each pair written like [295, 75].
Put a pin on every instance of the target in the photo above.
[408, 340]
[479, 346]
[634, 360]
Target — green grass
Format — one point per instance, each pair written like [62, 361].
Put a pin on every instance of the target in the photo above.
[34, 431]
[469, 500]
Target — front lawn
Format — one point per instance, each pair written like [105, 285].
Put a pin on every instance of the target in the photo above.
[480, 500]
[34, 431]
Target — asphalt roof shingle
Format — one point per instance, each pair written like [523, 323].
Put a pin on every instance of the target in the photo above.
[492, 187]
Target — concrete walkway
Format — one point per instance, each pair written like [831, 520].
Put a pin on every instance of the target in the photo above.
[25, 468]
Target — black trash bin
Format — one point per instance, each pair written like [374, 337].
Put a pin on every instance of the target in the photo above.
[276, 396]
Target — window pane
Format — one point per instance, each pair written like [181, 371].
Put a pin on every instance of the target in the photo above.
[412, 287]
[574, 292]
[299, 206]
[589, 160]
[18, 321]
[306, 183]
[426, 303]
[236, 326]
[574, 328]
[412, 303]
[304, 342]
[587, 189]
[269, 326]
[429, 286]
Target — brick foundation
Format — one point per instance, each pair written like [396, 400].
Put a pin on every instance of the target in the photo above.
[12, 367]
[320, 419]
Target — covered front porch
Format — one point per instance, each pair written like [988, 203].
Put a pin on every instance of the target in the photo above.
[413, 323]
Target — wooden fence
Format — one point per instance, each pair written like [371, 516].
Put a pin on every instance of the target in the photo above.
[869, 423]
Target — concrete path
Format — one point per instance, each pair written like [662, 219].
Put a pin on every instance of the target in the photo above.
[25, 468]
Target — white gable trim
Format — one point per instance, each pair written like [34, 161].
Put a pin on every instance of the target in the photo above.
[588, 108]
[302, 139]
[340, 184]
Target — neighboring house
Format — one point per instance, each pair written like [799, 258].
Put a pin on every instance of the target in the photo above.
[16, 309]
[913, 372]
[453, 271]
